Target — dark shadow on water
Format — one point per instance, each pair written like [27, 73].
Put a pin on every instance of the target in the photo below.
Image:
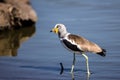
[10, 40]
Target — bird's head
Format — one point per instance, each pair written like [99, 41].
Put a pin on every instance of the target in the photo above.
[59, 28]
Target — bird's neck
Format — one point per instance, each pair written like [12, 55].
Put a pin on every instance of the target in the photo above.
[63, 34]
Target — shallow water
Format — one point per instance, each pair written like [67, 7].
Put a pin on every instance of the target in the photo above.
[37, 54]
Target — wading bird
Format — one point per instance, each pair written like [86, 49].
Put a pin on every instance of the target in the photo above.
[77, 44]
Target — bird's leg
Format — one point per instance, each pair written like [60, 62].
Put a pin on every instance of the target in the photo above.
[73, 63]
[86, 57]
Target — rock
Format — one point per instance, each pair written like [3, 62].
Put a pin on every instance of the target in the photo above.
[4, 15]
[16, 13]
[16, 1]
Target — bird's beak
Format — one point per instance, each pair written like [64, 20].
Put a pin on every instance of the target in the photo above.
[55, 30]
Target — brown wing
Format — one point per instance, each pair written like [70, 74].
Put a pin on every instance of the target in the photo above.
[84, 44]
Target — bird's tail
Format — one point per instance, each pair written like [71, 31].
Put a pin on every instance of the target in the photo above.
[102, 53]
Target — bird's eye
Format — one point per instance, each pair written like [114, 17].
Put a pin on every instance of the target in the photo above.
[58, 26]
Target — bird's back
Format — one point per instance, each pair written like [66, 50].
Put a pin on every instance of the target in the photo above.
[84, 45]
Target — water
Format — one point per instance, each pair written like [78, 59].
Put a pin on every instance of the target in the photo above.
[35, 53]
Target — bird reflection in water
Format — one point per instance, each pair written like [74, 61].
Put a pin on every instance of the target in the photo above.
[10, 40]
[72, 74]
[87, 76]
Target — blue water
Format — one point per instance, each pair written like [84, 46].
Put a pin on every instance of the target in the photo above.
[37, 54]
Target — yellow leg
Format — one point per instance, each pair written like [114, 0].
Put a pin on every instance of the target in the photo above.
[73, 63]
[86, 57]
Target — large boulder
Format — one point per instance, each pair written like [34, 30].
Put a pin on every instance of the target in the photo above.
[16, 13]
